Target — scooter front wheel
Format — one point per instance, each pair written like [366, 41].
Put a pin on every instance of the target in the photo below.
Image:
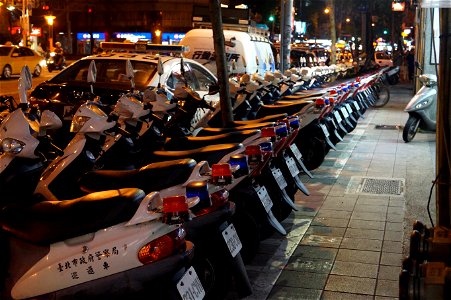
[382, 95]
[411, 128]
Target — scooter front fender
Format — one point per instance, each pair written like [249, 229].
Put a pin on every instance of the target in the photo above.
[5, 160]
[424, 94]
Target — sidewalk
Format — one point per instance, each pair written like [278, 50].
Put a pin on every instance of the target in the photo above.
[345, 243]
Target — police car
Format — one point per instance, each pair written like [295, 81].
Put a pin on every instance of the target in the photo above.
[66, 91]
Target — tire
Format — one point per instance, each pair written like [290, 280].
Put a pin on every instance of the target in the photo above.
[214, 275]
[37, 71]
[382, 95]
[313, 151]
[411, 128]
[6, 72]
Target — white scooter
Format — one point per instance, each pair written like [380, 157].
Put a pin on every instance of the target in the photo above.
[422, 108]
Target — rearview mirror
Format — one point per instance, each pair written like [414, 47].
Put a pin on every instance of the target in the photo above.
[213, 89]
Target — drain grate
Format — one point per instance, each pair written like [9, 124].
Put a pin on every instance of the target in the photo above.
[376, 186]
[389, 127]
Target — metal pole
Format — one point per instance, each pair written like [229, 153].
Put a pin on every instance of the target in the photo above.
[221, 61]
[286, 36]
[282, 29]
[443, 190]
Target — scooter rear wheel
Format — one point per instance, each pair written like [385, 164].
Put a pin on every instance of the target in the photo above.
[411, 128]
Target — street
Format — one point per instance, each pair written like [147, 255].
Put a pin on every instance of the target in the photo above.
[9, 87]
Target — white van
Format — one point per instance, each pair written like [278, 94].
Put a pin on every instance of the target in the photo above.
[251, 52]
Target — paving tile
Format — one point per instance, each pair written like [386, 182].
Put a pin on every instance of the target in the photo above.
[316, 252]
[354, 269]
[364, 224]
[392, 226]
[395, 236]
[305, 264]
[388, 288]
[302, 279]
[283, 292]
[370, 257]
[371, 208]
[351, 284]
[395, 217]
[323, 241]
[390, 246]
[368, 216]
[396, 202]
[385, 298]
[329, 295]
[321, 221]
[388, 272]
[339, 205]
[326, 231]
[364, 233]
[361, 244]
[391, 259]
[368, 200]
[334, 214]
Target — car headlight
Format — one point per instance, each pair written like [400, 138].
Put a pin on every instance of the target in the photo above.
[78, 123]
[13, 146]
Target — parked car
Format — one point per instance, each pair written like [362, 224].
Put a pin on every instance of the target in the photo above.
[13, 58]
[383, 59]
[67, 90]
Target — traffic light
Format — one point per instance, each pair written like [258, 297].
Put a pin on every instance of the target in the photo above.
[45, 7]
[385, 31]
[271, 18]
[89, 10]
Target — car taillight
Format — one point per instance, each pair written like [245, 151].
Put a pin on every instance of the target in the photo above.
[221, 174]
[199, 189]
[164, 246]
[254, 154]
[175, 210]
[239, 160]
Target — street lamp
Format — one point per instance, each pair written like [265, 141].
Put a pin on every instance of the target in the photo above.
[50, 20]
[326, 10]
[348, 20]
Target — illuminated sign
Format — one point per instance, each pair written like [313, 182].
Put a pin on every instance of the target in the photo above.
[87, 35]
[133, 36]
[36, 31]
[175, 36]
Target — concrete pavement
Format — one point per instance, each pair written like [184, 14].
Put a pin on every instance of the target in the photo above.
[345, 242]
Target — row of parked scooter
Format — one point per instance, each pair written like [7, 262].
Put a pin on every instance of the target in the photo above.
[155, 198]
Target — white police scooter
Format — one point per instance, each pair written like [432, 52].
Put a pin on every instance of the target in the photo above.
[422, 108]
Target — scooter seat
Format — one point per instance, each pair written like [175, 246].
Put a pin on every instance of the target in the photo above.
[153, 177]
[270, 118]
[193, 142]
[50, 221]
[208, 131]
[272, 109]
[212, 153]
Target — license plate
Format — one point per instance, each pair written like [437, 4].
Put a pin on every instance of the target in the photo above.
[264, 197]
[291, 164]
[278, 176]
[337, 116]
[357, 106]
[345, 112]
[232, 240]
[348, 107]
[296, 152]
[190, 287]
[325, 131]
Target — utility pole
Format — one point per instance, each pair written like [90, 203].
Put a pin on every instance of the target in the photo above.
[285, 32]
[333, 34]
[443, 164]
[25, 22]
[221, 61]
